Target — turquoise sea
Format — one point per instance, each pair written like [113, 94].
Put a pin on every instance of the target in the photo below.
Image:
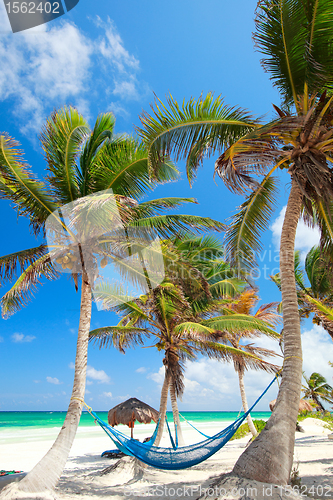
[17, 427]
[51, 419]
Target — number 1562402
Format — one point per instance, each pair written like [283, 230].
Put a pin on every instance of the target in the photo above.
[33, 7]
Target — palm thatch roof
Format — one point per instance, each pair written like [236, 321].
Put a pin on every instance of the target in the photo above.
[130, 411]
[303, 405]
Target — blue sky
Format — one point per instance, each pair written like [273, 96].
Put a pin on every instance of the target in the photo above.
[114, 56]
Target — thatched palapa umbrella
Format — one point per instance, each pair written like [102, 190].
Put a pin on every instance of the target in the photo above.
[303, 405]
[131, 410]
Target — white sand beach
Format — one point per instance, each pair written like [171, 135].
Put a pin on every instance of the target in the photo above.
[313, 453]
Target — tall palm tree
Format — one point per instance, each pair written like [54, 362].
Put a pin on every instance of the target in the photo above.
[185, 324]
[81, 163]
[318, 390]
[296, 39]
[238, 339]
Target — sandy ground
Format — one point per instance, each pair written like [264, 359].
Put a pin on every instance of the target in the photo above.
[313, 454]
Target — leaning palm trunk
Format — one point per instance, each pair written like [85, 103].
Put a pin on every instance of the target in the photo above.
[45, 475]
[269, 457]
[175, 413]
[244, 402]
[163, 409]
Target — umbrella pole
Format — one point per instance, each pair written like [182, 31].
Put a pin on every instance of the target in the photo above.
[132, 431]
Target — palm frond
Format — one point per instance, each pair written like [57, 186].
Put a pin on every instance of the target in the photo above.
[320, 307]
[152, 207]
[23, 290]
[10, 264]
[317, 270]
[192, 130]
[296, 38]
[29, 195]
[244, 232]
[102, 132]
[239, 323]
[62, 138]
[120, 337]
[166, 225]
[122, 165]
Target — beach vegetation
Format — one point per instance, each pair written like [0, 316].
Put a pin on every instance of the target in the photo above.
[244, 429]
[296, 41]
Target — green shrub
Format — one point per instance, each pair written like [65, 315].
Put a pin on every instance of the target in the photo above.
[243, 430]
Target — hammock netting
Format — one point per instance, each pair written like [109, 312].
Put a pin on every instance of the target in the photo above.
[174, 458]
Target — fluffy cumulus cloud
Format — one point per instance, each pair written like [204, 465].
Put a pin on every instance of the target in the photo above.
[20, 338]
[306, 237]
[92, 374]
[107, 394]
[44, 67]
[142, 369]
[317, 348]
[98, 375]
[53, 380]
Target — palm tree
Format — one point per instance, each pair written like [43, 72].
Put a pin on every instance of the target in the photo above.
[316, 298]
[185, 325]
[318, 390]
[82, 163]
[266, 312]
[295, 38]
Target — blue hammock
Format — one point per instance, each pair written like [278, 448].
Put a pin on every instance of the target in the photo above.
[173, 458]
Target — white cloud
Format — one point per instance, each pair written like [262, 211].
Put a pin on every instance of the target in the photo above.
[94, 374]
[53, 380]
[107, 394]
[317, 348]
[20, 338]
[118, 110]
[306, 237]
[98, 375]
[142, 369]
[113, 49]
[157, 377]
[45, 67]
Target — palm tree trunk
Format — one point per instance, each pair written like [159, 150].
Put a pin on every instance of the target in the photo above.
[269, 457]
[163, 408]
[244, 403]
[45, 475]
[318, 403]
[175, 413]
